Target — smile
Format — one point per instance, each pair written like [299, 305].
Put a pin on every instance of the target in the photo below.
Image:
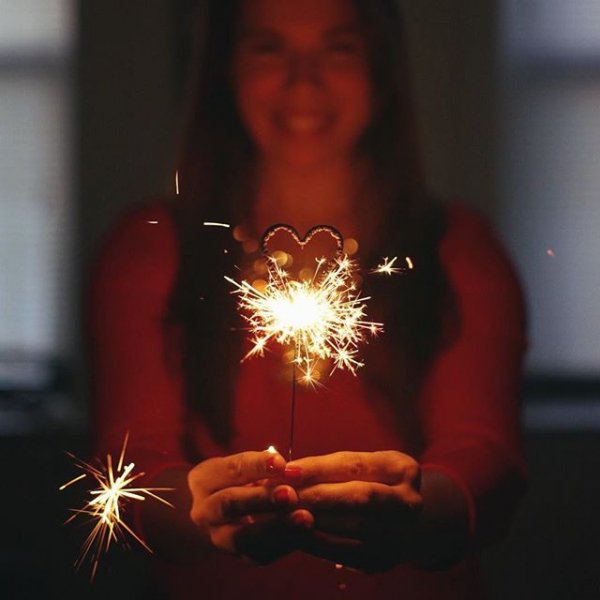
[303, 123]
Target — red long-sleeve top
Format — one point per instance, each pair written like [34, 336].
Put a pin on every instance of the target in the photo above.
[468, 406]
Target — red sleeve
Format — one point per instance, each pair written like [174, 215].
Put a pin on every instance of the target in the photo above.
[136, 388]
[471, 400]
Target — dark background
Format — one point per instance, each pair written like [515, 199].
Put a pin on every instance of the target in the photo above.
[129, 80]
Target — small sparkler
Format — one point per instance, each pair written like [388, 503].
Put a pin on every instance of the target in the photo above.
[322, 317]
[105, 509]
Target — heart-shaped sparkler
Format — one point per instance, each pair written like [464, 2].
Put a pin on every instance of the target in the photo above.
[321, 245]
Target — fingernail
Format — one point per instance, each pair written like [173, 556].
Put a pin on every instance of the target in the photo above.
[293, 474]
[282, 496]
[301, 520]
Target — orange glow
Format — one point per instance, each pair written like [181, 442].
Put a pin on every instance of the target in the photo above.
[260, 285]
[250, 246]
[260, 266]
[240, 234]
[350, 247]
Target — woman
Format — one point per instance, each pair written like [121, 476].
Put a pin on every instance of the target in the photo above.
[301, 115]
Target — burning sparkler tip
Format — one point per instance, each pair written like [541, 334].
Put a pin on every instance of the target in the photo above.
[322, 316]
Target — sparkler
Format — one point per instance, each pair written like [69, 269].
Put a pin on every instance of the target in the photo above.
[106, 507]
[321, 317]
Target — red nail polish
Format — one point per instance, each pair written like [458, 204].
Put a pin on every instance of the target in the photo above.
[282, 496]
[271, 464]
[293, 475]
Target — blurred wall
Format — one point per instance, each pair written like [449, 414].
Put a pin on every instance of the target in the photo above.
[126, 107]
[550, 68]
[452, 46]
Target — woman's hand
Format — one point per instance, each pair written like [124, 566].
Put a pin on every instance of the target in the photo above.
[365, 506]
[238, 502]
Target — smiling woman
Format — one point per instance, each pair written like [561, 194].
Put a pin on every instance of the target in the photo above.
[300, 114]
[295, 67]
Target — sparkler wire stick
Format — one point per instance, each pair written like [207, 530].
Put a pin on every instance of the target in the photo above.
[292, 408]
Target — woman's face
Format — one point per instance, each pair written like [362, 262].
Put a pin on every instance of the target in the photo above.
[301, 79]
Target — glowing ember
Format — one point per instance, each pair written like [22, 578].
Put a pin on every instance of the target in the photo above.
[322, 317]
[106, 506]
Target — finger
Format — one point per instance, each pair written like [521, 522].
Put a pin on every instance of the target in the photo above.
[297, 518]
[238, 469]
[388, 466]
[230, 504]
[374, 528]
[337, 549]
[349, 526]
[263, 542]
[302, 519]
[353, 495]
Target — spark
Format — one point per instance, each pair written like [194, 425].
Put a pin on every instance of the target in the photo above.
[387, 267]
[177, 183]
[214, 224]
[271, 450]
[323, 317]
[107, 505]
[550, 253]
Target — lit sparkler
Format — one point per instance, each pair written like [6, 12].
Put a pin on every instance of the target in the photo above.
[106, 506]
[322, 317]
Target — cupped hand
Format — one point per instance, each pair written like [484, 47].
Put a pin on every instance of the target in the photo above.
[365, 506]
[240, 504]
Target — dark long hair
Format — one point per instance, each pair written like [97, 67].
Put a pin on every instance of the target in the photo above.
[215, 175]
